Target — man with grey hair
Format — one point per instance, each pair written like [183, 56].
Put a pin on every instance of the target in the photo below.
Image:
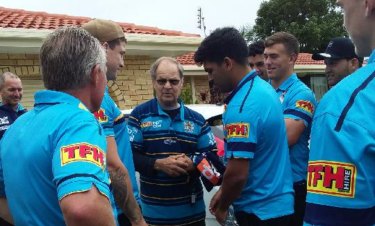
[11, 95]
[119, 156]
[164, 135]
[57, 173]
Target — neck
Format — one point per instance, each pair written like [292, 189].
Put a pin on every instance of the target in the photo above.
[169, 107]
[276, 83]
[239, 73]
[13, 107]
[84, 96]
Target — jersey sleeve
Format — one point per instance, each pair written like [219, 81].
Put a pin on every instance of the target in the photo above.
[206, 139]
[79, 159]
[240, 133]
[135, 132]
[301, 107]
[2, 185]
[107, 115]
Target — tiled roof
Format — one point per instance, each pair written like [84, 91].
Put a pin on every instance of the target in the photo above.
[18, 18]
[303, 59]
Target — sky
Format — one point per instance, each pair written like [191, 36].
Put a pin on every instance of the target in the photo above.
[165, 14]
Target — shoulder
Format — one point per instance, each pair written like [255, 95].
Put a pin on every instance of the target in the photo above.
[144, 108]
[71, 114]
[194, 116]
[261, 96]
[301, 89]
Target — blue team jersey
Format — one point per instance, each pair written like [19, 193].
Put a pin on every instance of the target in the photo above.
[298, 103]
[55, 150]
[168, 200]
[255, 130]
[341, 171]
[113, 123]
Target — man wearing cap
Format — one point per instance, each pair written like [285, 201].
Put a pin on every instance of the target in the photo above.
[341, 172]
[340, 60]
[123, 179]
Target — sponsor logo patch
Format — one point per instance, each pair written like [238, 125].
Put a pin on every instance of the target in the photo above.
[305, 105]
[82, 152]
[237, 130]
[331, 178]
[101, 116]
[154, 124]
[146, 124]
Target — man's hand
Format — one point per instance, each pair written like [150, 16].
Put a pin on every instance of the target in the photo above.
[140, 222]
[190, 165]
[216, 210]
[221, 215]
[173, 166]
[215, 202]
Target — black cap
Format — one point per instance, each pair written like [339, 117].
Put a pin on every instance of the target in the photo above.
[337, 48]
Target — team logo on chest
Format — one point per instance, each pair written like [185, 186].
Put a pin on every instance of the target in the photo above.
[188, 126]
[331, 178]
[4, 120]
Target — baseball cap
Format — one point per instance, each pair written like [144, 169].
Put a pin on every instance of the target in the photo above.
[104, 30]
[337, 48]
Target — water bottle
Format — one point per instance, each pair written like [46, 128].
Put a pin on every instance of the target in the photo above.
[231, 219]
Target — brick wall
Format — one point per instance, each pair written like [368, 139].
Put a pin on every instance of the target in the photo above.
[202, 90]
[132, 87]
[24, 65]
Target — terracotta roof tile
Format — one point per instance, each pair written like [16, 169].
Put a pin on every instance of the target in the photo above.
[18, 18]
[303, 59]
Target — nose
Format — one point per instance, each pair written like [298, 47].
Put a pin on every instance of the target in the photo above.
[122, 63]
[16, 93]
[267, 61]
[168, 84]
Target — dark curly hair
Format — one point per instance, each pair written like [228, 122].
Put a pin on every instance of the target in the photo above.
[256, 48]
[221, 43]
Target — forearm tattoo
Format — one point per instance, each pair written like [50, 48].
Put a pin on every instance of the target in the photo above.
[124, 200]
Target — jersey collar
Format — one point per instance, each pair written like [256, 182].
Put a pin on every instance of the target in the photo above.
[50, 97]
[287, 83]
[180, 116]
[251, 75]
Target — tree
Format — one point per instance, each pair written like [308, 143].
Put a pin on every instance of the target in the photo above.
[313, 22]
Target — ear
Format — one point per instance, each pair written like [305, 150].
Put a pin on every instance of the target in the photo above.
[95, 75]
[228, 63]
[182, 82]
[105, 46]
[354, 64]
[370, 7]
[293, 57]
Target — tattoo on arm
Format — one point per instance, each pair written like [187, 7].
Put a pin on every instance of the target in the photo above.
[122, 191]
[118, 182]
